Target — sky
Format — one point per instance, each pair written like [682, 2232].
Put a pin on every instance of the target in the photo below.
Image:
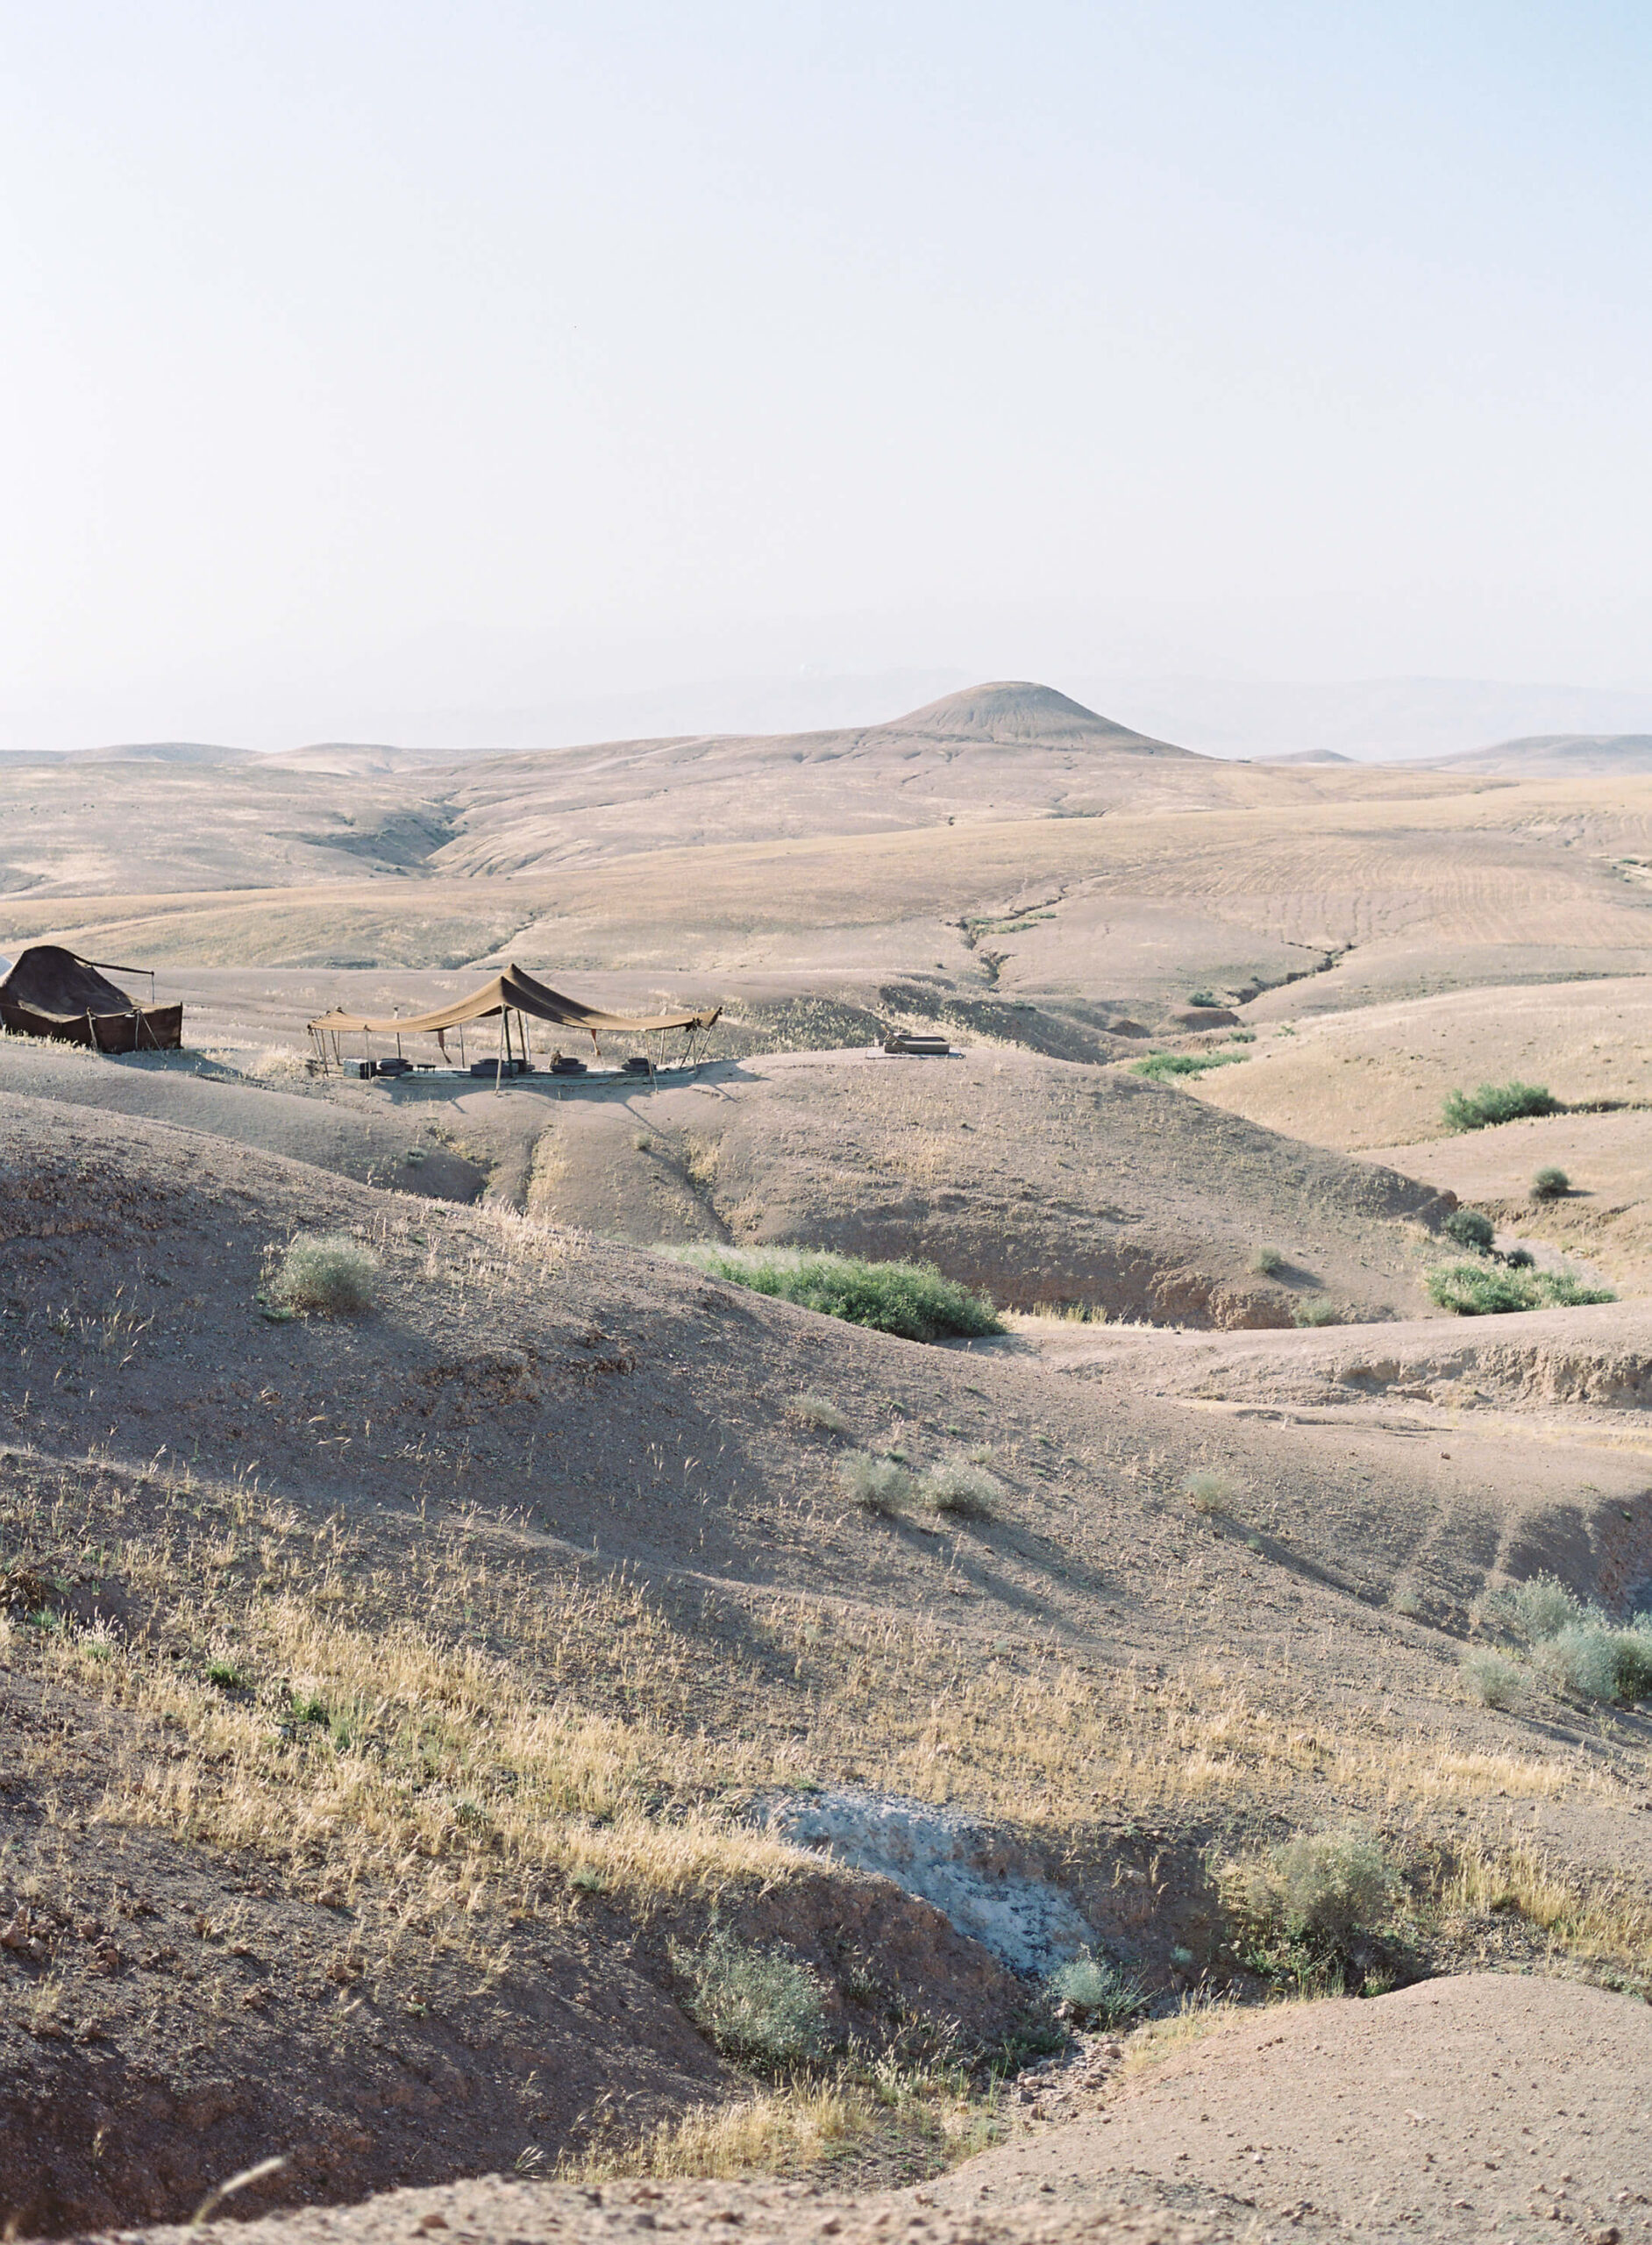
[397, 371]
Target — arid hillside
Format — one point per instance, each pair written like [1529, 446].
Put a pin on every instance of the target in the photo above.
[502, 1730]
[1042, 1181]
[1004, 845]
[393, 1695]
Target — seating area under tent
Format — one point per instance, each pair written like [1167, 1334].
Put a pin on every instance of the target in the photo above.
[519, 1003]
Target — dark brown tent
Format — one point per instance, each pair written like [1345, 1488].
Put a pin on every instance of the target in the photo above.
[52, 992]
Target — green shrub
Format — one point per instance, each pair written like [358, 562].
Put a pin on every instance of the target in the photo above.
[328, 1273]
[1474, 1290]
[1494, 1103]
[1316, 1311]
[1540, 1608]
[1478, 1290]
[1579, 1645]
[1550, 1185]
[1267, 1262]
[763, 2008]
[1493, 1681]
[1204, 998]
[965, 1492]
[1563, 1292]
[1469, 1228]
[912, 1300]
[1159, 1066]
[1601, 1661]
[1321, 1886]
[1095, 1992]
[877, 1484]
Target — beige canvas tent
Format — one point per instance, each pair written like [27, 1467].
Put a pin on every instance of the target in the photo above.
[513, 991]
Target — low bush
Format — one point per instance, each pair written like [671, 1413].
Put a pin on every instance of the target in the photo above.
[1538, 1609]
[1579, 1645]
[1325, 1888]
[816, 1411]
[1563, 1292]
[877, 1484]
[1159, 1066]
[965, 1492]
[1267, 1262]
[1203, 998]
[911, 1300]
[1469, 1228]
[330, 1274]
[1492, 1103]
[1550, 1185]
[1210, 1489]
[756, 2005]
[1601, 1661]
[1478, 1290]
[1316, 1311]
[1493, 1680]
[1093, 1993]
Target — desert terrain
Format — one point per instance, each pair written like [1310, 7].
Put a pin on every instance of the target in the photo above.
[562, 1742]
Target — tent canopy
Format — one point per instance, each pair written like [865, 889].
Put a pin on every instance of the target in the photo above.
[51, 991]
[59, 983]
[511, 992]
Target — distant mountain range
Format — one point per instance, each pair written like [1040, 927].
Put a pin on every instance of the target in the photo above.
[1556, 756]
[1415, 722]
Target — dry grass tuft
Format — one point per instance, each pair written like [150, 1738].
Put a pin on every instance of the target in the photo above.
[1197, 2016]
[795, 2125]
[880, 1486]
[961, 1490]
[815, 1411]
[328, 1274]
[1210, 1489]
[1597, 1923]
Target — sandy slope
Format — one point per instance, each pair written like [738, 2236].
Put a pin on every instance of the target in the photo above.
[1604, 1215]
[1482, 2107]
[349, 1132]
[1478, 2107]
[1379, 1076]
[1035, 1179]
[544, 1447]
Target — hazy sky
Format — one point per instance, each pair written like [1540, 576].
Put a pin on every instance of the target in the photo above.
[364, 364]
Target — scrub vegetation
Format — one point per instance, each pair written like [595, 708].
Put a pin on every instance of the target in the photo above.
[911, 1300]
[1490, 1104]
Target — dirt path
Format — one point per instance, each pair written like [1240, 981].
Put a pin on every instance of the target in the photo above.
[1485, 2105]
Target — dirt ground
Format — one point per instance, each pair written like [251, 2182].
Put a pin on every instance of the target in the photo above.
[224, 1929]
[1483, 2105]
[403, 1707]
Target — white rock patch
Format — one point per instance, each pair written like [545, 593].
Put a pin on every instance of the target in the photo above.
[968, 1870]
